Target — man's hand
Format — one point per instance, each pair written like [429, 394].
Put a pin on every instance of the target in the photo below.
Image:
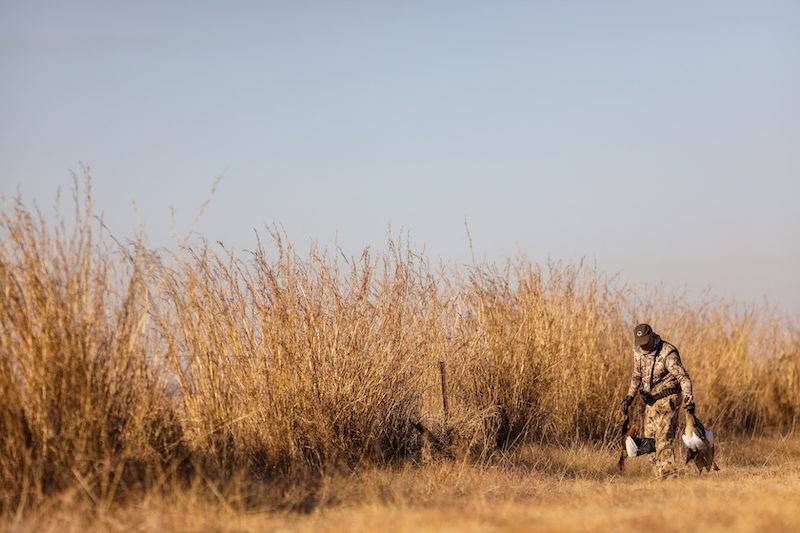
[688, 404]
[626, 404]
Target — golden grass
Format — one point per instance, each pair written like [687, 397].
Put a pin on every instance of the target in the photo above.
[534, 488]
[129, 372]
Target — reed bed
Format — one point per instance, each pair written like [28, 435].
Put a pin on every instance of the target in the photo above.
[124, 368]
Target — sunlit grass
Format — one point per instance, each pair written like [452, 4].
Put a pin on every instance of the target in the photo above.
[128, 371]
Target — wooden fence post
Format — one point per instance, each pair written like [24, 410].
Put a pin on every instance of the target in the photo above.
[443, 373]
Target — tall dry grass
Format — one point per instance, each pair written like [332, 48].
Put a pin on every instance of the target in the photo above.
[124, 366]
[83, 396]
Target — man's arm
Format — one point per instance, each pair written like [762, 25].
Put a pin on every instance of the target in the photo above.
[675, 367]
[636, 376]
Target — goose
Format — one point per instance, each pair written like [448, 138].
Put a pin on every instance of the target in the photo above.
[699, 442]
[636, 445]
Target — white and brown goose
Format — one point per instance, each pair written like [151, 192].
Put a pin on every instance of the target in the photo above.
[699, 442]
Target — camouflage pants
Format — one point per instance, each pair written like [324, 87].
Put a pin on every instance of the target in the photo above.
[661, 424]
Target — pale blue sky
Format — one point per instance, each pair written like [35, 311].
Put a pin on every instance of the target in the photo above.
[558, 129]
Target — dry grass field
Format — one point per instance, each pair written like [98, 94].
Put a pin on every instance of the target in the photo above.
[535, 488]
[197, 388]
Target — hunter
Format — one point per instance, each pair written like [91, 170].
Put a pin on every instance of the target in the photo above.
[660, 378]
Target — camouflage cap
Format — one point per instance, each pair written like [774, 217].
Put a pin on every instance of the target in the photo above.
[642, 334]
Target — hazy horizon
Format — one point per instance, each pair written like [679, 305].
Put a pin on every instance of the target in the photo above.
[660, 142]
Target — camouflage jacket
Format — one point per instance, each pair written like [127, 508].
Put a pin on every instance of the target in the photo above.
[659, 370]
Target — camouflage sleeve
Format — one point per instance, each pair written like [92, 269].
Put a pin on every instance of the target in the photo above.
[636, 376]
[675, 368]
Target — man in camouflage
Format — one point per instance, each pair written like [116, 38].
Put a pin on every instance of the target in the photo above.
[660, 378]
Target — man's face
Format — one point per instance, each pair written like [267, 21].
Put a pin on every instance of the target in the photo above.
[649, 346]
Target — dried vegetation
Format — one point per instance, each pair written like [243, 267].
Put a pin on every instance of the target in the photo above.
[127, 370]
